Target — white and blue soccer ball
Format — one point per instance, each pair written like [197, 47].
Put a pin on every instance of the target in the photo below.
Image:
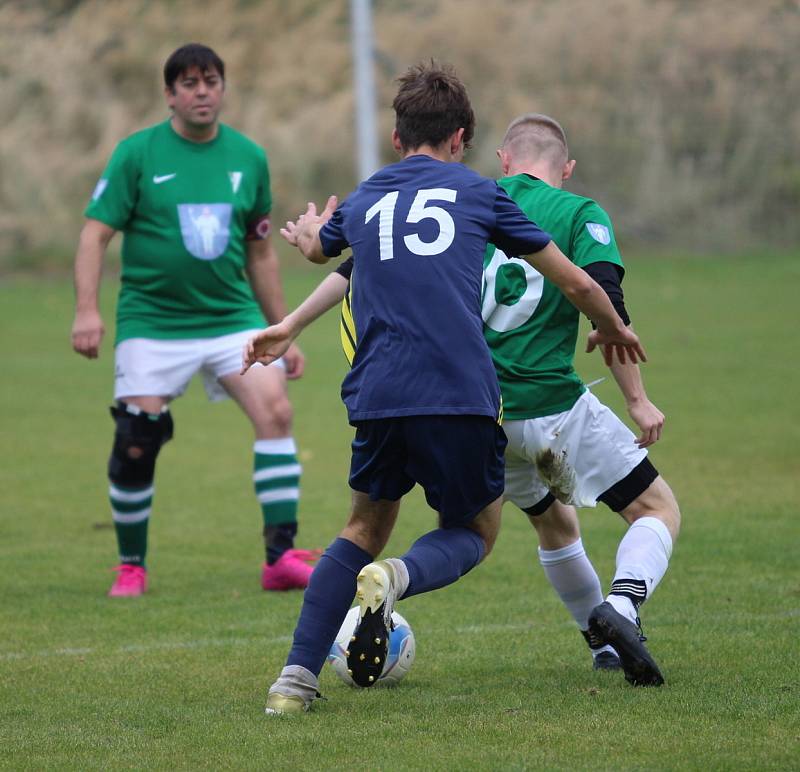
[402, 650]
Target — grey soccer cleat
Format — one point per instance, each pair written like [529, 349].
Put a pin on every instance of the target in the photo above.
[608, 626]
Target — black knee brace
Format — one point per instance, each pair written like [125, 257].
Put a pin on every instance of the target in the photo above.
[137, 440]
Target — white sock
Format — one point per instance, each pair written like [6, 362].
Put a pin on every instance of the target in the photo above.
[401, 579]
[574, 579]
[642, 560]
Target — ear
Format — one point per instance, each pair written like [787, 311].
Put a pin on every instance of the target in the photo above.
[456, 141]
[505, 160]
[396, 144]
[169, 94]
[566, 172]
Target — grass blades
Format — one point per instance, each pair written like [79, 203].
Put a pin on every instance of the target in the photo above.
[502, 679]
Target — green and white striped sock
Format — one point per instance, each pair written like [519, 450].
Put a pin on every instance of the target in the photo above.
[130, 510]
[276, 476]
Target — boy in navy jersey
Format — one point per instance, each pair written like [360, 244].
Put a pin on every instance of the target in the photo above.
[422, 392]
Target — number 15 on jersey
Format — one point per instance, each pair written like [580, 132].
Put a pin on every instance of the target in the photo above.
[385, 206]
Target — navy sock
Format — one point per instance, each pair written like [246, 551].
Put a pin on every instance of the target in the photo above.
[440, 557]
[326, 601]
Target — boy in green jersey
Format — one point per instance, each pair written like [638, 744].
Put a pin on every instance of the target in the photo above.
[565, 448]
[199, 275]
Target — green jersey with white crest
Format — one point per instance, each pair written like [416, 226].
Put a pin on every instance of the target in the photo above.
[186, 210]
[531, 328]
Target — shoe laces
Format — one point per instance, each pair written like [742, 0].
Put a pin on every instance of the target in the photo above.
[642, 636]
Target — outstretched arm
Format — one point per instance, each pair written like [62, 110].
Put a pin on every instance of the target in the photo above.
[271, 343]
[263, 271]
[588, 296]
[88, 328]
[304, 234]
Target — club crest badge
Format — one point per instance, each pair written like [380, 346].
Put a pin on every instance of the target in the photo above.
[205, 229]
[599, 232]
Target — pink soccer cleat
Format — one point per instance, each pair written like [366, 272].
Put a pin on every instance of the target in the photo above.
[131, 581]
[290, 571]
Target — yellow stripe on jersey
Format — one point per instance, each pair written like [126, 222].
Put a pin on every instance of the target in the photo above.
[347, 328]
[500, 414]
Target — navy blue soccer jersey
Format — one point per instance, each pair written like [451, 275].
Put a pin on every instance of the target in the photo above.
[418, 230]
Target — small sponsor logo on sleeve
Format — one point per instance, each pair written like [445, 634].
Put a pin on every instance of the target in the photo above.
[599, 232]
[102, 184]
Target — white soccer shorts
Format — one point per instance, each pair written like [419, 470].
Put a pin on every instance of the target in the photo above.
[163, 368]
[577, 455]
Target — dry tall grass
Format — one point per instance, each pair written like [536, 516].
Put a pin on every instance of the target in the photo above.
[684, 116]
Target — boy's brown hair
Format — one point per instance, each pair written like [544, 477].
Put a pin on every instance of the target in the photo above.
[431, 104]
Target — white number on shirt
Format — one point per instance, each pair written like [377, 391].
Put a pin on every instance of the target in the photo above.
[385, 206]
[502, 317]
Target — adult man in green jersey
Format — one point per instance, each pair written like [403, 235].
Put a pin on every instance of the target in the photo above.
[565, 448]
[199, 275]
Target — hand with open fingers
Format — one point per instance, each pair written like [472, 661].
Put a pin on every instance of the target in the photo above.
[266, 346]
[649, 419]
[624, 343]
[302, 233]
[87, 333]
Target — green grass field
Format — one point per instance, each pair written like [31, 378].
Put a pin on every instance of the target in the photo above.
[502, 680]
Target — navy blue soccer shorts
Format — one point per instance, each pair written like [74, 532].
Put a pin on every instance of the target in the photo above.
[457, 459]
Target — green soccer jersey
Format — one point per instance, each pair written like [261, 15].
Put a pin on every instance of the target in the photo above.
[185, 209]
[531, 328]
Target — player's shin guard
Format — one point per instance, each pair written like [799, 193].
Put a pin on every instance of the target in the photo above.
[441, 557]
[642, 560]
[131, 468]
[325, 603]
[276, 476]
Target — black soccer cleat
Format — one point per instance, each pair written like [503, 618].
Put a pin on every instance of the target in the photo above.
[606, 660]
[368, 648]
[369, 644]
[610, 627]
[601, 660]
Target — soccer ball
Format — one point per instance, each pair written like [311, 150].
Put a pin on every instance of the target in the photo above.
[402, 649]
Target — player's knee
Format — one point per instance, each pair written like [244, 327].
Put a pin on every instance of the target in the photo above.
[276, 417]
[557, 526]
[657, 501]
[137, 440]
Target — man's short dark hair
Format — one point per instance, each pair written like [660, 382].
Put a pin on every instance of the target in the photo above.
[188, 56]
[431, 105]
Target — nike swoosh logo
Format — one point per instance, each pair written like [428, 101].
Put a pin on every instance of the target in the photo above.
[158, 179]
